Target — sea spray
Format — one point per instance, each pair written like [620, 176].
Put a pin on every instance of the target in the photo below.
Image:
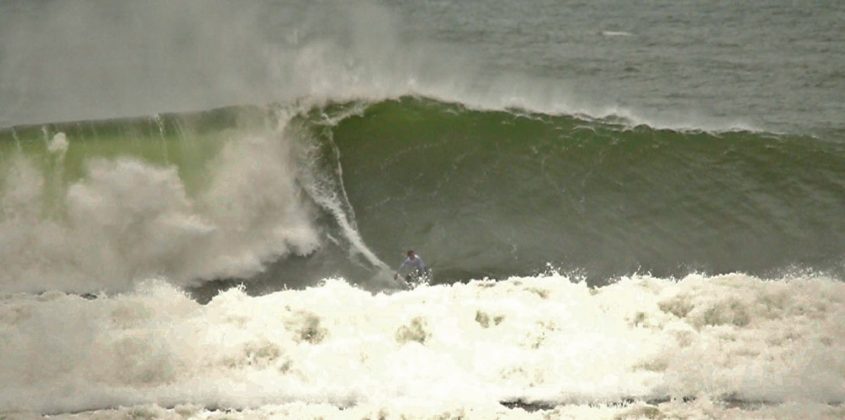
[126, 217]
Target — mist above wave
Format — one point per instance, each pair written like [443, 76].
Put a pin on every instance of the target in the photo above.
[193, 55]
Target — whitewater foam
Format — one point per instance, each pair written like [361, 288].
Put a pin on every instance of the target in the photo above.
[616, 34]
[701, 408]
[325, 187]
[128, 219]
[540, 340]
[58, 144]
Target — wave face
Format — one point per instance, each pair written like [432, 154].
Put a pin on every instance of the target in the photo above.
[496, 193]
[286, 196]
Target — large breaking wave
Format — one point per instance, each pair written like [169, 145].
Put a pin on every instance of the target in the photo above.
[154, 216]
[640, 261]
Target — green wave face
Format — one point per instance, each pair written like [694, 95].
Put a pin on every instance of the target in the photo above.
[496, 193]
[286, 198]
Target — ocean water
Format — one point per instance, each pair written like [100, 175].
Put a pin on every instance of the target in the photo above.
[631, 211]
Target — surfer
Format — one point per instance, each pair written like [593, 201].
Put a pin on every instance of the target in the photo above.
[417, 269]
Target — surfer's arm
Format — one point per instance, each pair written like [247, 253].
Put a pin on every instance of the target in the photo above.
[401, 266]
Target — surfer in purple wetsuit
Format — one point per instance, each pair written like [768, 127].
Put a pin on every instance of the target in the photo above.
[416, 266]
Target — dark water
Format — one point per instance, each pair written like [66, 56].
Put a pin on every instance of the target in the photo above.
[773, 64]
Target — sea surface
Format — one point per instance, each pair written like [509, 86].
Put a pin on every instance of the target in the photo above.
[630, 210]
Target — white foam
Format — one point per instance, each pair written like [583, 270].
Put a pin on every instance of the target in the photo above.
[616, 33]
[128, 220]
[325, 187]
[58, 144]
[464, 346]
[698, 409]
